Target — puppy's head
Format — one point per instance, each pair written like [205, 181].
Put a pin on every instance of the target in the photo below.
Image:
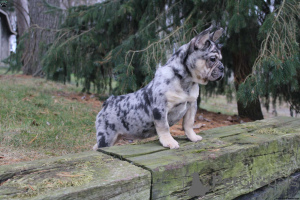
[204, 57]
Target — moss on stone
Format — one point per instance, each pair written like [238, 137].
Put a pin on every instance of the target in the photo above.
[269, 131]
[85, 175]
[199, 151]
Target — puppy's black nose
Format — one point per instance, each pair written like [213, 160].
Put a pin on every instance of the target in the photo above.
[221, 68]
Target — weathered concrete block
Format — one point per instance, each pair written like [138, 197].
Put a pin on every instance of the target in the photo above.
[88, 175]
[228, 162]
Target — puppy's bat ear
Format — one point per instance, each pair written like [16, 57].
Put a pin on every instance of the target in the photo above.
[200, 41]
[201, 38]
[217, 34]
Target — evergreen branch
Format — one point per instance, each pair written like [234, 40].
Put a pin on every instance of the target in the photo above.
[158, 17]
[159, 41]
[51, 7]
[265, 42]
[74, 37]
[36, 26]
[152, 44]
[271, 44]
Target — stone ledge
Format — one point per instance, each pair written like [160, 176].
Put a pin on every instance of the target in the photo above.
[229, 162]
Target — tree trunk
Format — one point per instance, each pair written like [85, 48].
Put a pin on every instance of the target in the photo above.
[41, 34]
[23, 22]
[22, 13]
[242, 68]
[252, 110]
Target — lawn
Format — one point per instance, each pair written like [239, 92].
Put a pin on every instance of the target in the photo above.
[35, 119]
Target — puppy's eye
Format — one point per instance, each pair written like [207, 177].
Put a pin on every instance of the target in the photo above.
[212, 59]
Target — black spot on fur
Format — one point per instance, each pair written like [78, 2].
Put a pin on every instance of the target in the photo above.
[100, 133]
[145, 107]
[102, 142]
[168, 81]
[125, 124]
[186, 67]
[122, 97]
[177, 53]
[177, 104]
[156, 114]
[150, 95]
[107, 101]
[176, 72]
[111, 126]
[123, 113]
[170, 60]
[105, 105]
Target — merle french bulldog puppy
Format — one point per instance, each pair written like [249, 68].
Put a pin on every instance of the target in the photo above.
[170, 96]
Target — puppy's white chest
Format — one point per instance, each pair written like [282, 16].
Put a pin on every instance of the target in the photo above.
[179, 96]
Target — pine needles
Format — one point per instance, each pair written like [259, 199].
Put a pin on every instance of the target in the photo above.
[276, 69]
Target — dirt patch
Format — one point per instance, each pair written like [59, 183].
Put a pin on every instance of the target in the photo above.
[91, 99]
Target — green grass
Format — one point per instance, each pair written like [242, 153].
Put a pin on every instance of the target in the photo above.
[33, 117]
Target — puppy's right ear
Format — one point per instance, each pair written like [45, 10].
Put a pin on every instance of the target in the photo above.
[217, 34]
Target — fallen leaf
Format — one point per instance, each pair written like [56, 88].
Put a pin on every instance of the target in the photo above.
[33, 139]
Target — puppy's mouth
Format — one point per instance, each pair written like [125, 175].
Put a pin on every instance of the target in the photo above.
[219, 78]
[216, 73]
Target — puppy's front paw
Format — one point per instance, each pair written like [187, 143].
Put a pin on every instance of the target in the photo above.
[195, 138]
[169, 142]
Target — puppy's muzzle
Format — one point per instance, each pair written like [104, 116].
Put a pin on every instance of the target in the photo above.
[217, 73]
[221, 68]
